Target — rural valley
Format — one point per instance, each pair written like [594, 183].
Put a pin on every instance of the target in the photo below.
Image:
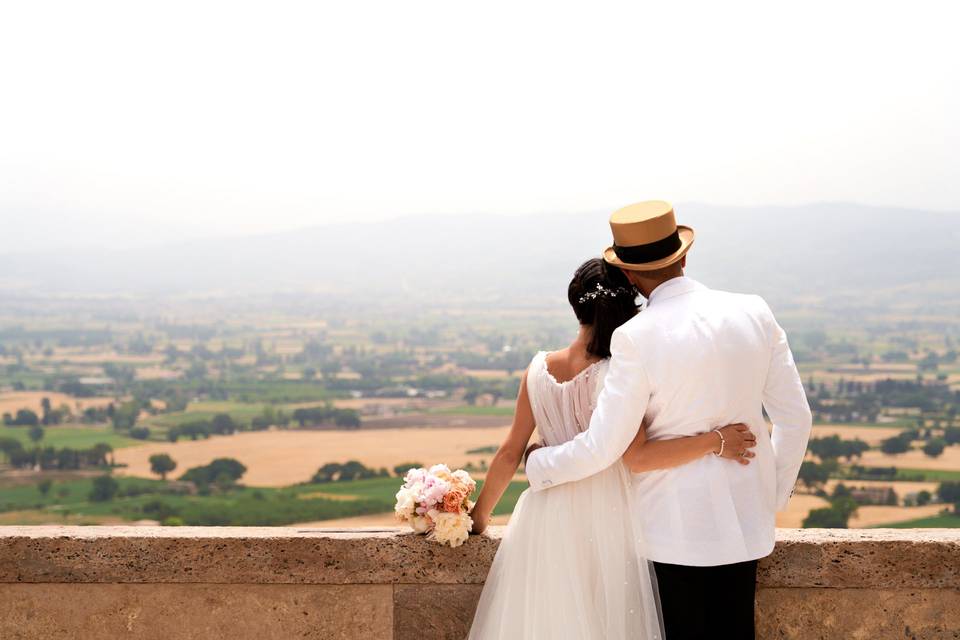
[305, 410]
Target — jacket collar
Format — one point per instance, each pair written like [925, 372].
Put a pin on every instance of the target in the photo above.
[674, 287]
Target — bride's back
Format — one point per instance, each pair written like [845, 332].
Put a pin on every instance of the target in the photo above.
[563, 409]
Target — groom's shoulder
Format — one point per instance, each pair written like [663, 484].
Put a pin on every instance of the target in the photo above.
[748, 305]
[750, 301]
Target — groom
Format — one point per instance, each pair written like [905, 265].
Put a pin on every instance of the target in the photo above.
[693, 360]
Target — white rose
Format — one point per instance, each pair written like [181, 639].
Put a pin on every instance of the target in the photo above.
[451, 528]
[420, 524]
[406, 503]
[464, 478]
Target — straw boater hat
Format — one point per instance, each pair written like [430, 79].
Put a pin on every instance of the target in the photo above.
[646, 236]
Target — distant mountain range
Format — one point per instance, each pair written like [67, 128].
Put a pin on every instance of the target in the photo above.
[824, 251]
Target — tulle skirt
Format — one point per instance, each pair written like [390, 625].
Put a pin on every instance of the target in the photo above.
[569, 567]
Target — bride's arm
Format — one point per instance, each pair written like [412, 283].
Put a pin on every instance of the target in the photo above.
[506, 460]
[647, 455]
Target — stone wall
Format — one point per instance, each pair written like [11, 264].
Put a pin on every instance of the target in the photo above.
[264, 583]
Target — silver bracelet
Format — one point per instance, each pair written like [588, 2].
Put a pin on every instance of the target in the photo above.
[723, 443]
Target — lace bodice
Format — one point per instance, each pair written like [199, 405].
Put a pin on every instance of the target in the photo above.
[563, 409]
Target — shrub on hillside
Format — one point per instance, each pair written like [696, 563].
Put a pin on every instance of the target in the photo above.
[934, 448]
[140, 433]
[104, 489]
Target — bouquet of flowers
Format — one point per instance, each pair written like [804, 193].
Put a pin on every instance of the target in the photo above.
[437, 502]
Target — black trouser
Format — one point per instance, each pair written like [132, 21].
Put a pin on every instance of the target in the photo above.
[702, 602]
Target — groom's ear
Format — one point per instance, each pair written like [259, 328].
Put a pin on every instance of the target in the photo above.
[631, 277]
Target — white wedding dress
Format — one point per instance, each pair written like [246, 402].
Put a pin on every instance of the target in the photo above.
[569, 566]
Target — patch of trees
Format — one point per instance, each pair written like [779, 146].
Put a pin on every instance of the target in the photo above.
[951, 435]
[29, 418]
[833, 447]
[351, 470]
[95, 415]
[23, 418]
[220, 424]
[124, 416]
[855, 401]
[867, 497]
[858, 472]
[897, 444]
[836, 516]
[814, 475]
[844, 503]
[76, 389]
[502, 388]
[223, 473]
[270, 417]
[49, 458]
[325, 415]
[401, 469]
[949, 492]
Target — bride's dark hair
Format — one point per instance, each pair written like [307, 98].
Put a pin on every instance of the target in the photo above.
[603, 299]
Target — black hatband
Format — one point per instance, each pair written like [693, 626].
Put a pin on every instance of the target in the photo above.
[650, 252]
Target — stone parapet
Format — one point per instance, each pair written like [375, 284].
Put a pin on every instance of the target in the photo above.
[285, 582]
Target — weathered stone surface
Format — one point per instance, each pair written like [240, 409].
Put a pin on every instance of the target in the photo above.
[261, 555]
[831, 614]
[188, 611]
[238, 583]
[874, 558]
[440, 611]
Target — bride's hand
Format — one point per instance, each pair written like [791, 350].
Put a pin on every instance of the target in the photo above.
[737, 442]
[480, 524]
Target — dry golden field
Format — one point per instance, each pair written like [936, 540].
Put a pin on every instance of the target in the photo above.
[875, 515]
[914, 459]
[281, 458]
[798, 508]
[871, 435]
[11, 401]
[902, 488]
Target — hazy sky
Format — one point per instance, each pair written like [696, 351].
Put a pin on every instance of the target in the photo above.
[131, 120]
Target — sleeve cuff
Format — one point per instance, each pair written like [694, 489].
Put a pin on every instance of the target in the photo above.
[534, 473]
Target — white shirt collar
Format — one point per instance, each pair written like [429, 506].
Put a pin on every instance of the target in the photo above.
[674, 287]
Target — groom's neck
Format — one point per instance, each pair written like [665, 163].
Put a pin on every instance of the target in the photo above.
[648, 285]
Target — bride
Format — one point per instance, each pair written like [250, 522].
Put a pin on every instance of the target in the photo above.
[570, 565]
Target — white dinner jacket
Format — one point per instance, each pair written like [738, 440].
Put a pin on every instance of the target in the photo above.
[693, 360]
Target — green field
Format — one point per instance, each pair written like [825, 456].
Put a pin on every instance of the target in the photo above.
[239, 411]
[152, 499]
[949, 521]
[927, 475]
[75, 437]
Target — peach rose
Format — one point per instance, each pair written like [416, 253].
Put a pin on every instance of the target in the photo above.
[453, 501]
